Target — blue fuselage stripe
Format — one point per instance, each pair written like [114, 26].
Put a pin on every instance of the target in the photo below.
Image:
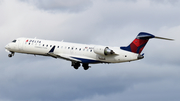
[87, 60]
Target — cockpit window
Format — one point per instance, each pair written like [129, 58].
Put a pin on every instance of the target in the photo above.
[14, 41]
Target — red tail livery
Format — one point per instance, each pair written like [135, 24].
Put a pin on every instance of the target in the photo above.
[139, 43]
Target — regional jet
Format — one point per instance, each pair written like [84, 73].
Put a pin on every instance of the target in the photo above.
[81, 53]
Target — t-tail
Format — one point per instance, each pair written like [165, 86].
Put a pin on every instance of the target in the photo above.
[140, 42]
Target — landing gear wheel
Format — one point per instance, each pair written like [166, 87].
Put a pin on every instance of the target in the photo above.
[76, 65]
[86, 66]
[10, 55]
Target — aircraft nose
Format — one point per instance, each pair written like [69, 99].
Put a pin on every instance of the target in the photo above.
[7, 46]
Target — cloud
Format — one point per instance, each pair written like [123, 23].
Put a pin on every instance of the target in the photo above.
[37, 82]
[166, 1]
[61, 5]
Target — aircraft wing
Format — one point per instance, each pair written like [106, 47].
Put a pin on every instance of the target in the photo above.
[67, 57]
[72, 57]
[62, 56]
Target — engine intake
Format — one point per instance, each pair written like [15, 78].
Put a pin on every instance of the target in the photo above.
[103, 50]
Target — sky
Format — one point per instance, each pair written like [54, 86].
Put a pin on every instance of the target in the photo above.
[103, 22]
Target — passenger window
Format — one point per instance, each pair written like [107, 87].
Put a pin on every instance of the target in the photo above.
[50, 45]
[57, 46]
[79, 49]
[72, 48]
[68, 47]
[43, 45]
[90, 50]
[46, 45]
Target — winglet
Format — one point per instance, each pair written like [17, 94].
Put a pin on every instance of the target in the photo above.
[51, 52]
[52, 49]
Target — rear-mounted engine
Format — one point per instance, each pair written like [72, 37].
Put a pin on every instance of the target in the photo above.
[103, 50]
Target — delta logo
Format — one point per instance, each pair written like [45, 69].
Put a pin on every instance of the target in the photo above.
[33, 41]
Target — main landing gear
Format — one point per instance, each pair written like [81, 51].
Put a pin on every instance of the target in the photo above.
[86, 66]
[10, 55]
[76, 65]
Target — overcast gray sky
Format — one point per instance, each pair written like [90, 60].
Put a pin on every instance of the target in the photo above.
[105, 22]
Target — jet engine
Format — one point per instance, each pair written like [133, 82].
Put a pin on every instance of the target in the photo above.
[103, 50]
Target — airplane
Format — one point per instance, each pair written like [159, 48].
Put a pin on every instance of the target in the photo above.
[81, 53]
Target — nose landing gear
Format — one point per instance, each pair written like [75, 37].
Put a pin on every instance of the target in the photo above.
[10, 55]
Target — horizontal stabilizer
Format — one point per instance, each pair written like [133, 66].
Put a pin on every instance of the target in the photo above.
[145, 36]
[163, 38]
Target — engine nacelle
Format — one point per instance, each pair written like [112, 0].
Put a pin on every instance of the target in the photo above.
[103, 50]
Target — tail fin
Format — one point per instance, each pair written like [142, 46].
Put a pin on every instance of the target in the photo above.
[139, 43]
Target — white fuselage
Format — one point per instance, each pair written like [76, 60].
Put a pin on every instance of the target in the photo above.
[70, 51]
[82, 53]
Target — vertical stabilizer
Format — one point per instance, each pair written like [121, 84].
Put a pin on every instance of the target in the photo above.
[139, 43]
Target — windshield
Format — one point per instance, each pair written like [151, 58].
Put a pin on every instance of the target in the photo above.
[14, 41]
